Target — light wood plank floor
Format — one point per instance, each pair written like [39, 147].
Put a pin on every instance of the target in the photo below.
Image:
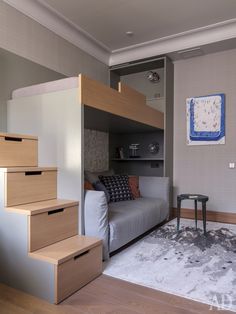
[103, 295]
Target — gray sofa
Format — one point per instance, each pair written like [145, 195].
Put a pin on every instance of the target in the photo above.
[121, 222]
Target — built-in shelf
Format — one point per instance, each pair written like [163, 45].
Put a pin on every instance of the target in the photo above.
[137, 159]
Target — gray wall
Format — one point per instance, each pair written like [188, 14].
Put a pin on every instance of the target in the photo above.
[23, 36]
[27, 38]
[140, 82]
[154, 92]
[204, 169]
[18, 72]
[96, 150]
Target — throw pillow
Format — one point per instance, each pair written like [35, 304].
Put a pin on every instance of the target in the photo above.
[99, 186]
[92, 177]
[88, 186]
[134, 186]
[118, 187]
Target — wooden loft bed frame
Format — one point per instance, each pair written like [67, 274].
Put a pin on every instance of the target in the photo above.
[126, 102]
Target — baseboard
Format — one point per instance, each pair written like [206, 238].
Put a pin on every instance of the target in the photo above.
[211, 215]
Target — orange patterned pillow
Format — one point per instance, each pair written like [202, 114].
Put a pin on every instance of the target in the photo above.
[134, 186]
[88, 185]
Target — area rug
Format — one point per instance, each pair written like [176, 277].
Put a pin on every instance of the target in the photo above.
[184, 263]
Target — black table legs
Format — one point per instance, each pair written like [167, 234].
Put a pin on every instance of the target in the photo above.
[204, 216]
[202, 199]
[195, 206]
[178, 213]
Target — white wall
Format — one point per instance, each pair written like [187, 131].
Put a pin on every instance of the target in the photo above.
[204, 169]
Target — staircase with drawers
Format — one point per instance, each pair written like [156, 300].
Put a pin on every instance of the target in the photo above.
[41, 252]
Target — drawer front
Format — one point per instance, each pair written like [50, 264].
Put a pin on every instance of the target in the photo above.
[29, 187]
[18, 152]
[52, 226]
[77, 272]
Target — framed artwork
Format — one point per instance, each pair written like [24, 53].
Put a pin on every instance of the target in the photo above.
[206, 120]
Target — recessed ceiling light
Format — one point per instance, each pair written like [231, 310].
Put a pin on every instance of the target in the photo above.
[129, 33]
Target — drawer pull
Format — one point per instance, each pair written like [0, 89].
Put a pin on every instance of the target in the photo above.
[33, 173]
[55, 211]
[81, 254]
[13, 139]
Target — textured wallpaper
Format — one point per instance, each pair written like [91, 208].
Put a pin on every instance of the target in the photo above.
[96, 150]
[205, 169]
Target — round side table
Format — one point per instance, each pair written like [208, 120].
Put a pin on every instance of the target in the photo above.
[196, 198]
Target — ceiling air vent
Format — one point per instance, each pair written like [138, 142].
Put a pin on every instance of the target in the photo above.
[190, 53]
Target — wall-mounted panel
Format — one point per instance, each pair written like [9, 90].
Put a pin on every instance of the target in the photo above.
[96, 150]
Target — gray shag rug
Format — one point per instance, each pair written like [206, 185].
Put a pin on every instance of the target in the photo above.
[184, 263]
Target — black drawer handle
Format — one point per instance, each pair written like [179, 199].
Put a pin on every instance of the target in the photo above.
[13, 139]
[33, 173]
[55, 211]
[81, 254]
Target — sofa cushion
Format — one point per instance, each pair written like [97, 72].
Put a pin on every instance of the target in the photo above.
[88, 185]
[118, 187]
[134, 186]
[129, 219]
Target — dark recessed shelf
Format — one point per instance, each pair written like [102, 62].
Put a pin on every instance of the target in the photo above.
[137, 159]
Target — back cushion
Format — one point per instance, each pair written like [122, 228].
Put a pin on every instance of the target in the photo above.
[134, 186]
[88, 185]
[118, 187]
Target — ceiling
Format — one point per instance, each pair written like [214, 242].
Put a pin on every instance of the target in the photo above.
[159, 26]
[108, 20]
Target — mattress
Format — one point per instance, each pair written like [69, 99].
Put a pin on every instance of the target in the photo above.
[49, 87]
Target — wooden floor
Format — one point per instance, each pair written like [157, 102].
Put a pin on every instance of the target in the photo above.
[103, 295]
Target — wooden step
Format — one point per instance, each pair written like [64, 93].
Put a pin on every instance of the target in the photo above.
[64, 250]
[28, 185]
[77, 261]
[36, 208]
[26, 169]
[18, 150]
[52, 226]
[49, 221]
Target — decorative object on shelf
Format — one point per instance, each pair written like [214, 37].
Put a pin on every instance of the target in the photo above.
[153, 148]
[153, 76]
[120, 151]
[133, 150]
[206, 120]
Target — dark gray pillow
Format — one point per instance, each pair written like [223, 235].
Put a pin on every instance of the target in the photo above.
[99, 186]
[117, 187]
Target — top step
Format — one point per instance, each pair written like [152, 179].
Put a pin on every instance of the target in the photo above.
[18, 150]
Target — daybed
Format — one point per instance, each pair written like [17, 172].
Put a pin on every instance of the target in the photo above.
[120, 222]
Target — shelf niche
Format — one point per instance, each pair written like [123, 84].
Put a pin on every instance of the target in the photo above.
[147, 164]
[160, 98]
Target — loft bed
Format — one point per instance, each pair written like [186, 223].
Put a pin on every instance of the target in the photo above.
[55, 111]
[123, 102]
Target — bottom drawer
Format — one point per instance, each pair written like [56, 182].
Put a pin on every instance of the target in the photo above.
[77, 272]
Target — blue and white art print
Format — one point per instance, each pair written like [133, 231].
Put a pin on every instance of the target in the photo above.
[206, 120]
